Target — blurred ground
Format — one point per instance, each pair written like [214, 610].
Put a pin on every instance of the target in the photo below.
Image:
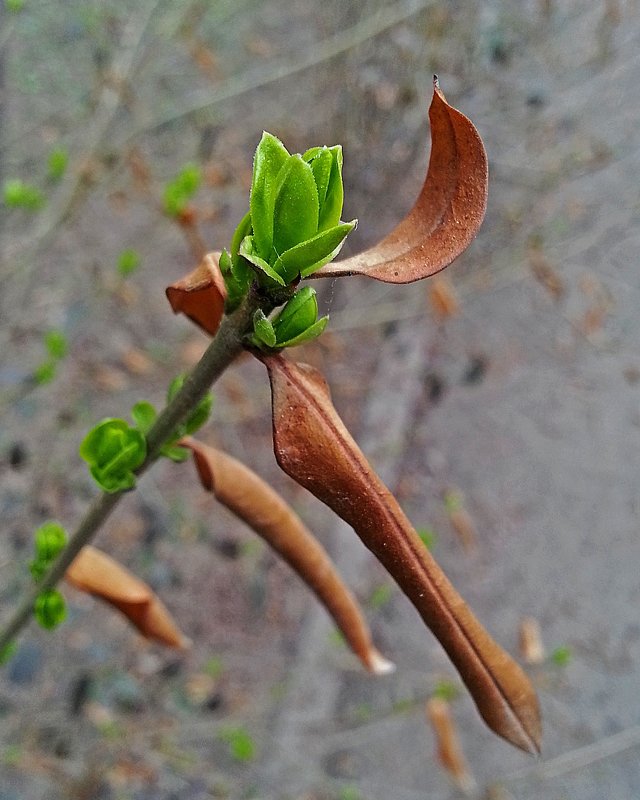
[526, 402]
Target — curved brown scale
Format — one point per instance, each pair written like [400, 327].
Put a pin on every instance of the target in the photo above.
[96, 573]
[447, 214]
[252, 500]
[201, 294]
[313, 446]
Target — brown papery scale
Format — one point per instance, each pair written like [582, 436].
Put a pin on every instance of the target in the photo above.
[313, 446]
[447, 214]
[201, 294]
[252, 500]
[98, 574]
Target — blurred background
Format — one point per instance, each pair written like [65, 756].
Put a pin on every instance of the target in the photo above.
[501, 401]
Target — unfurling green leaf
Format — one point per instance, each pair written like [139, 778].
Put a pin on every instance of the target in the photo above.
[326, 163]
[144, 415]
[307, 257]
[113, 450]
[50, 609]
[248, 251]
[198, 416]
[270, 156]
[295, 211]
[263, 332]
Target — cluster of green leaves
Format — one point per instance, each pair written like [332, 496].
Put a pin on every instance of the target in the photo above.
[296, 203]
[18, 194]
[144, 415]
[114, 450]
[297, 322]
[292, 229]
[50, 608]
[56, 345]
[181, 189]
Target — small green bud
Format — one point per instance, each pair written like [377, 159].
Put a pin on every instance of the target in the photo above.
[113, 450]
[297, 315]
[297, 322]
[50, 609]
[57, 163]
[198, 416]
[50, 539]
[263, 332]
[144, 415]
[56, 343]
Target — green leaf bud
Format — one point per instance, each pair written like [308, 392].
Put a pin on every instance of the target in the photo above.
[50, 539]
[198, 416]
[113, 450]
[300, 313]
[144, 415]
[50, 609]
[312, 332]
[263, 332]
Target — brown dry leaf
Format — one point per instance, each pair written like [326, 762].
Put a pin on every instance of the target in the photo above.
[531, 646]
[313, 446]
[447, 214]
[98, 574]
[448, 744]
[544, 273]
[256, 503]
[443, 298]
[137, 361]
[201, 294]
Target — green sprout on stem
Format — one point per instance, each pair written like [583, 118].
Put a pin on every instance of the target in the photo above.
[113, 450]
[18, 194]
[241, 745]
[181, 189]
[50, 609]
[562, 656]
[56, 345]
[57, 163]
[50, 539]
[128, 262]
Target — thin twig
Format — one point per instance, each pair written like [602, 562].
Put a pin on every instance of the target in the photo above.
[73, 188]
[331, 47]
[224, 348]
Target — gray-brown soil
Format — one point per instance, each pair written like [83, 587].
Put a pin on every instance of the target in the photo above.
[526, 402]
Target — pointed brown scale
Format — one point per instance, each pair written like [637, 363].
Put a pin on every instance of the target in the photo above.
[447, 214]
[98, 574]
[201, 294]
[256, 503]
[313, 446]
